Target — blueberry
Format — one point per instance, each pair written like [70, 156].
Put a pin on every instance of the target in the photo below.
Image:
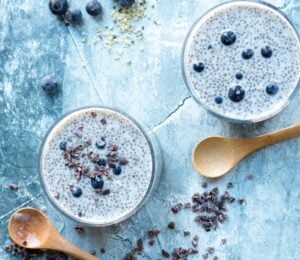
[272, 89]
[117, 170]
[126, 3]
[218, 100]
[73, 16]
[49, 84]
[266, 52]
[58, 7]
[247, 54]
[228, 38]
[102, 162]
[76, 192]
[97, 182]
[236, 94]
[239, 75]
[198, 67]
[63, 145]
[101, 143]
[94, 8]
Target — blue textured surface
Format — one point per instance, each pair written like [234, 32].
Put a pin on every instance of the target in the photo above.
[33, 43]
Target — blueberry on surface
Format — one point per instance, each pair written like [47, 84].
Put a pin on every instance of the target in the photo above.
[117, 170]
[272, 89]
[94, 8]
[198, 67]
[247, 54]
[266, 52]
[236, 94]
[218, 100]
[97, 182]
[239, 75]
[228, 38]
[101, 143]
[63, 145]
[58, 7]
[126, 3]
[76, 192]
[102, 162]
[73, 16]
[49, 84]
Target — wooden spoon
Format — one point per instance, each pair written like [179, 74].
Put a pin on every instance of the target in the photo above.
[215, 156]
[30, 228]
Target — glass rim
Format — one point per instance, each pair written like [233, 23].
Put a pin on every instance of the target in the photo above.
[206, 107]
[140, 203]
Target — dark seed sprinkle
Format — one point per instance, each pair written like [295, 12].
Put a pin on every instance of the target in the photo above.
[79, 229]
[205, 256]
[210, 250]
[13, 186]
[93, 252]
[153, 233]
[241, 201]
[106, 192]
[103, 121]
[139, 245]
[102, 250]
[165, 253]
[215, 258]
[250, 176]
[223, 241]
[171, 225]
[204, 184]
[151, 242]
[229, 185]
[186, 233]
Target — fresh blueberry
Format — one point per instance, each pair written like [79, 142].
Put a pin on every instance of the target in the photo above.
[228, 38]
[126, 3]
[272, 89]
[218, 100]
[247, 54]
[49, 84]
[117, 170]
[63, 145]
[94, 8]
[198, 67]
[58, 7]
[102, 162]
[73, 16]
[76, 192]
[236, 94]
[266, 52]
[97, 182]
[239, 75]
[101, 143]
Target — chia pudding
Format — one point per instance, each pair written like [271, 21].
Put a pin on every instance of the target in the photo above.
[241, 61]
[98, 166]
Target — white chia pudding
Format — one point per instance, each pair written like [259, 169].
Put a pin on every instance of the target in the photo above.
[242, 61]
[96, 165]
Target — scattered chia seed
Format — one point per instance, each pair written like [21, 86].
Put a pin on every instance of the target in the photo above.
[139, 245]
[176, 208]
[210, 250]
[223, 241]
[171, 225]
[93, 252]
[204, 184]
[165, 253]
[79, 229]
[153, 233]
[250, 176]
[13, 186]
[229, 185]
[205, 256]
[186, 233]
[103, 121]
[102, 250]
[151, 242]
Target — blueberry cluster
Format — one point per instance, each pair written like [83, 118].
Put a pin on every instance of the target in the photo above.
[237, 93]
[74, 15]
[102, 165]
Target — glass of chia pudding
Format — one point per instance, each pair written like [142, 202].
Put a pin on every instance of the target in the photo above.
[241, 61]
[98, 165]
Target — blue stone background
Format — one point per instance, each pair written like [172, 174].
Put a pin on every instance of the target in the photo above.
[34, 43]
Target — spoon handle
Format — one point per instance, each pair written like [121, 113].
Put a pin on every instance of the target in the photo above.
[280, 135]
[58, 243]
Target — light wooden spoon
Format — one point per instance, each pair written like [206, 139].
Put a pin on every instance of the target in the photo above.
[30, 228]
[215, 156]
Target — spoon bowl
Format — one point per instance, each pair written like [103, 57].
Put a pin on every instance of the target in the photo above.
[208, 156]
[215, 156]
[31, 228]
[23, 229]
